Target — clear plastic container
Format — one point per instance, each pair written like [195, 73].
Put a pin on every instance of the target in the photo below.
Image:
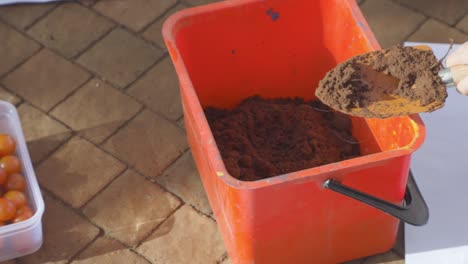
[25, 237]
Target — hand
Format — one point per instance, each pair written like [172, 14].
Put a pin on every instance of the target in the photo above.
[460, 56]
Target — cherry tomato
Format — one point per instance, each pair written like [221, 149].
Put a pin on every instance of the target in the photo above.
[23, 213]
[7, 145]
[7, 209]
[16, 182]
[3, 176]
[11, 164]
[17, 197]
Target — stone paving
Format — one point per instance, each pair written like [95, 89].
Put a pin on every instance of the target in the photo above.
[99, 101]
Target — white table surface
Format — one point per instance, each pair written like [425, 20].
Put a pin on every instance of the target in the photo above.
[8, 2]
[440, 169]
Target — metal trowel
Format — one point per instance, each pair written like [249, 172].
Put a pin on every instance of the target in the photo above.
[383, 103]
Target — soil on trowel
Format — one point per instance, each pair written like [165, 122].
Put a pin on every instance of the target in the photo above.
[262, 138]
[413, 71]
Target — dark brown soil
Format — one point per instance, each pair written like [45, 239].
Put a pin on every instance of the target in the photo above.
[414, 73]
[263, 138]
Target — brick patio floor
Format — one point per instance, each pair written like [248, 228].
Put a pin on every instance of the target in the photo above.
[99, 102]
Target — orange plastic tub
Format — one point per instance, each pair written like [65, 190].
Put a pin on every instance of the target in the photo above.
[227, 51]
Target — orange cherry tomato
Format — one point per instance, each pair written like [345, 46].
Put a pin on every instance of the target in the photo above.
[16, 182]
[11, 164]
[3, 176]
[24, 213]
[17, 197]
[7, 209]
[7, 145]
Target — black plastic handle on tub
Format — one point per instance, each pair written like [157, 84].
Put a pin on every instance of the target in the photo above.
[414, 211]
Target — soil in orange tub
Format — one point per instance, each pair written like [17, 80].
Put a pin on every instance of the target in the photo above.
[262, 138]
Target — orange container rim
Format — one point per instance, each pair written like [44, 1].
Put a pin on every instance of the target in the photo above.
[169, 29]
